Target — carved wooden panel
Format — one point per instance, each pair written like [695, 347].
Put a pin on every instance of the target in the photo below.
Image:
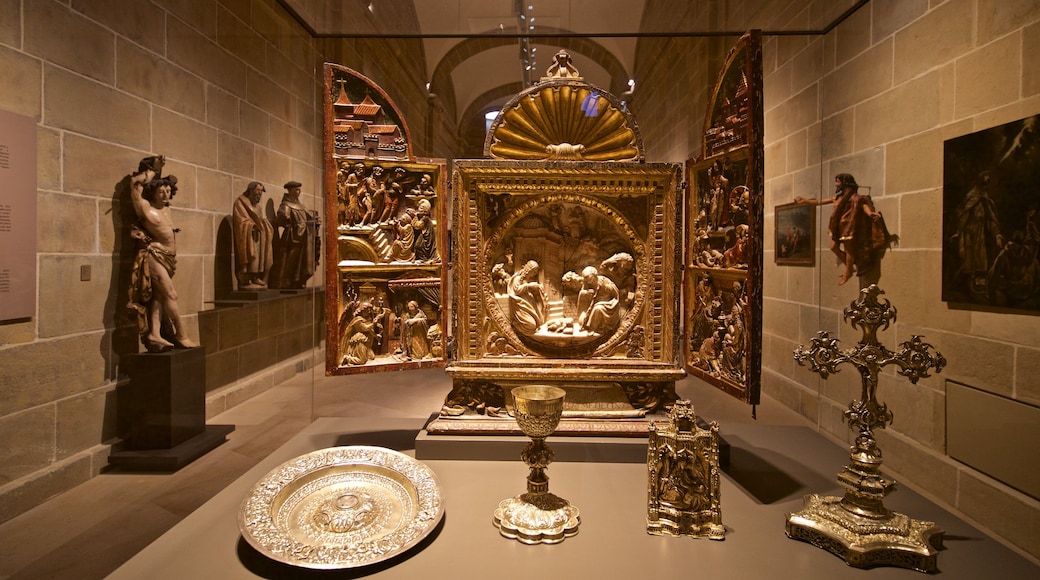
[386, 243]
[724, 217]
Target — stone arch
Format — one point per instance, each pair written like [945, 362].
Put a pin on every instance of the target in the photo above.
[440, 80]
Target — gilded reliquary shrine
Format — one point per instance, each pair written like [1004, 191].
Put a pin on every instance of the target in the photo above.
[566, 266]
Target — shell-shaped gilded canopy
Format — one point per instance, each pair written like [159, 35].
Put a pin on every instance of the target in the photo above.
[564, 119]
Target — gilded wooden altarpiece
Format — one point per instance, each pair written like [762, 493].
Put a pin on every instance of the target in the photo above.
[386, 255]
[724, 232]
[566, 267]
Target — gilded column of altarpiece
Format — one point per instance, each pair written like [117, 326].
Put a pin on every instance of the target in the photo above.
[566, 267]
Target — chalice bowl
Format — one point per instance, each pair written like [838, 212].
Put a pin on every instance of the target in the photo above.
[538, 516]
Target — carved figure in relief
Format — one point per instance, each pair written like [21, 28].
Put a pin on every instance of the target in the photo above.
[298, 245]
[351, 185]
[570, 285]
[719, 196]
[253, 237]
[359, 336]
[598, 302]
[500, 279]
[372, 197]
[414, 326]
[736, 255]
[403, 248]
[740, 204]
[392, 194]
[424, 188]
[680, 483]
[435, 337]
[528, 304]
[620, 268]
[152, 294]
[425, 233]
[384, 319]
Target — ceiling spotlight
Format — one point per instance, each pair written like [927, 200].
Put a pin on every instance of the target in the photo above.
[631, 83]
[427, 86]
[371, 8]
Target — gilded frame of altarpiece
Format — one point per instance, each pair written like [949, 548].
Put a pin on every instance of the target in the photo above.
[724, 232]
[566, 267]
[386, 256]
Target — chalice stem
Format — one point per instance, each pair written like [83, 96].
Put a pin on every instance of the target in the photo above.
[537, 456]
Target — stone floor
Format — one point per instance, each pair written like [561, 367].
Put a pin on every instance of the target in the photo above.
[91, 530]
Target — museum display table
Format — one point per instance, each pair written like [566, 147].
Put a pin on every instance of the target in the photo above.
[771, 469]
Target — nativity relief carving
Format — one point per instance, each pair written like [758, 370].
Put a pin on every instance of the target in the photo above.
[563, 278]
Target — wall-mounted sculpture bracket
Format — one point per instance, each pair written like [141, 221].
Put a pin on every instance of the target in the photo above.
[858, 527]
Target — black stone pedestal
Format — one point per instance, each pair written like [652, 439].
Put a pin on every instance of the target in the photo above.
[165, 409]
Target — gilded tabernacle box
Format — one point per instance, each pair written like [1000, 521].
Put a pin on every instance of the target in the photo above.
[565, 272]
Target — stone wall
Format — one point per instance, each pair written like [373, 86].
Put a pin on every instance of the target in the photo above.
[230, 93]
[876, 97]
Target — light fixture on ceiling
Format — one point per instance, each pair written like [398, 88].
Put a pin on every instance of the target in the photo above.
[525, 23]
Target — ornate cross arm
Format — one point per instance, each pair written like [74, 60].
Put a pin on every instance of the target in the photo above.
[916, 358]
[823, 355]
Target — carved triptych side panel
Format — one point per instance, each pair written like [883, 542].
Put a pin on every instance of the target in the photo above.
[724, 232]
[386, 241]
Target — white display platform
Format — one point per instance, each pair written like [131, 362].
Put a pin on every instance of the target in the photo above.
[771, 469]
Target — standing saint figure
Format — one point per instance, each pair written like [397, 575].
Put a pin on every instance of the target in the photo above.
[152, 295]
[297, 255]
[351, 187]
[857, 232]
[253, 236]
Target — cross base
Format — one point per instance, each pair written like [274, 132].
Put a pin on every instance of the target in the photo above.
[896, 540]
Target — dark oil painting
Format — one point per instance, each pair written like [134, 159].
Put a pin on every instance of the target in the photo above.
[991, 230]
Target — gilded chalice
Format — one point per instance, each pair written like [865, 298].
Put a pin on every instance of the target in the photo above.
[538, 516]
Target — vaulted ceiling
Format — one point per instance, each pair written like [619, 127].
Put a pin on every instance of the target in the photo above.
[485, 49]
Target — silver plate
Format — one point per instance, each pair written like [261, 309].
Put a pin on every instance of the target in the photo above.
[342, 507]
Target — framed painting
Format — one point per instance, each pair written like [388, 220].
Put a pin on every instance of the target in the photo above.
[795, 243]
[991, 226]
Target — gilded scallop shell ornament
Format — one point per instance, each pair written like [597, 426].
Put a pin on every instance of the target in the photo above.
[564, 119]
